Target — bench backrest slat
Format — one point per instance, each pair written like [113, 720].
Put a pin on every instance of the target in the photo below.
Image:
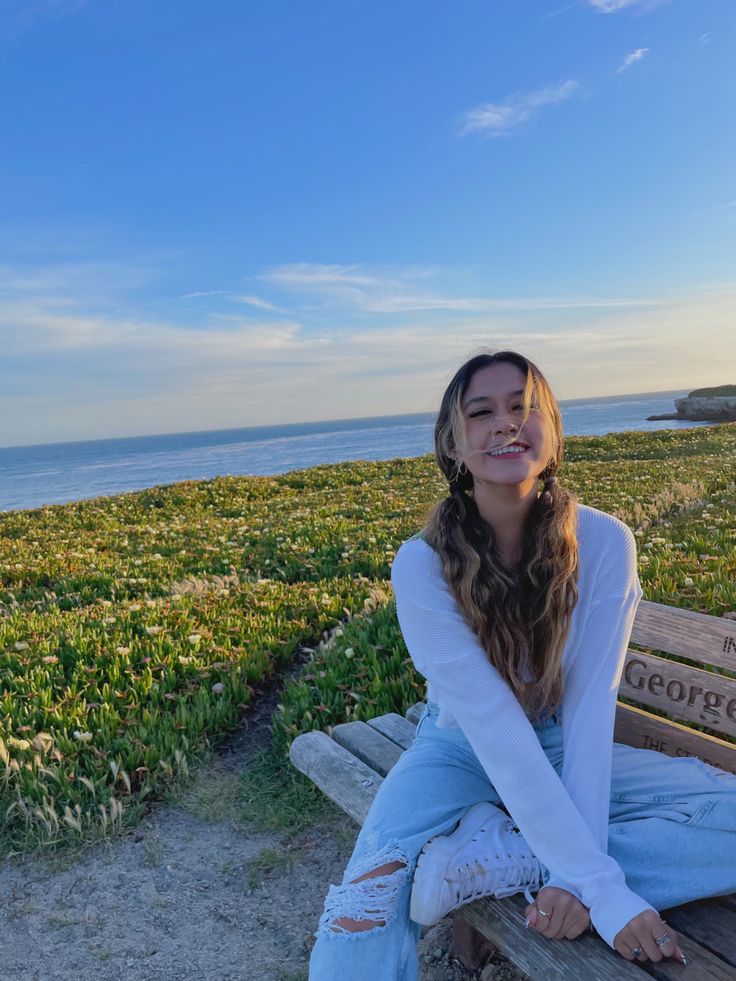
[699, 637]
[682, 691]
[635, 727]
[691, 694]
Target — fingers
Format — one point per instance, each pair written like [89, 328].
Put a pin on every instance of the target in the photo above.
[562, 924]
[549, 925]
[642, 933]
[565, 919]
[575, 926]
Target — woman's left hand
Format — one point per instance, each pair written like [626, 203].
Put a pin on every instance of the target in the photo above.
[568, 917]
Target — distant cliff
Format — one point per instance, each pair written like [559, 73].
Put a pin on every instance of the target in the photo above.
[706, 405]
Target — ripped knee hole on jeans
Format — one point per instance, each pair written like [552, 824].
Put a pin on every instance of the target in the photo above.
[367, 895]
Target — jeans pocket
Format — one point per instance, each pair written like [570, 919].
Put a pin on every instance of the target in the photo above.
[685, 809]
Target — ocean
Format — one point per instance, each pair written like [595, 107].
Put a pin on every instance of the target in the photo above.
[32, 476]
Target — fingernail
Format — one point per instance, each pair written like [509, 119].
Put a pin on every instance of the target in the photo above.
[526, 924]
[683, 959]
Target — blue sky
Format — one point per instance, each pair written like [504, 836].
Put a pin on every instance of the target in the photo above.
[231, 214]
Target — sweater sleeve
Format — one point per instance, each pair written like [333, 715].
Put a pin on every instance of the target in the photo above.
[591, 686]
[446, 651]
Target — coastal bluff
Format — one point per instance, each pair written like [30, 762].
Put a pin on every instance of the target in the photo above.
[705, 405]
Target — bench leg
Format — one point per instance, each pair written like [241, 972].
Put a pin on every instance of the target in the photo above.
[469, 945]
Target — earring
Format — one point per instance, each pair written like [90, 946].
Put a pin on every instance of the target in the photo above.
[462, 469]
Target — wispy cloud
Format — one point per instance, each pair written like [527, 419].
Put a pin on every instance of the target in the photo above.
[317, 274]
[388, 348]
[615, 6]
[256, 301]
[499, 118]
[148, 376]
[726, 206]
[199, 293]
[45, 326]
[727, 287]
[233, 297]
[394, 290]
[705, 38]
[612, 6]
[632, 58]
[557, 13]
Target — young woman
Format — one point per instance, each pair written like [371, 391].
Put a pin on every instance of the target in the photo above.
[517, 608]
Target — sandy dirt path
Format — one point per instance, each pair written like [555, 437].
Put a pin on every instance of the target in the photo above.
[186, 895]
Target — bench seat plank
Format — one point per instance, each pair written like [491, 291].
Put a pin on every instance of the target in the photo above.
[414, 711]
[703, 965]
[502, 922]
[345, 779]
[710, 923]
[368, 745]
[393, 727]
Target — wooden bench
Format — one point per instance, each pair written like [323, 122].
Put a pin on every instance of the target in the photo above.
[350, 765]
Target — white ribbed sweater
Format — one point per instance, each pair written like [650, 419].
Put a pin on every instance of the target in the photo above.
[564, 821]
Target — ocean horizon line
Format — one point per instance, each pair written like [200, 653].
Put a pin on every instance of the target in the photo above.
[299, 426]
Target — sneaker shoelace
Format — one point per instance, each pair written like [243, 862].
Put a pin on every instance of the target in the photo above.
[496, 879]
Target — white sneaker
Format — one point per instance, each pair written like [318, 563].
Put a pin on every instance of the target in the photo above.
[486, 855]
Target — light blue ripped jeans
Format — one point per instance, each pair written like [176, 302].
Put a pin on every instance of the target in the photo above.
[672, 830]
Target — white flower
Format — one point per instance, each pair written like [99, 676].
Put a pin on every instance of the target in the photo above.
[194, 639]
[218, 688]
[688, 581]
[82, 737]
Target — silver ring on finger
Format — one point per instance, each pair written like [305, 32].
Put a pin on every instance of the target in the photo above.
[664, 939]
[636, 951]
[542, 913]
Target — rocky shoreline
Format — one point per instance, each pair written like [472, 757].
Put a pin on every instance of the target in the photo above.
[703, 408]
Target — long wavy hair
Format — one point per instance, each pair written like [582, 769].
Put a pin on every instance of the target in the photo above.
[521, 617]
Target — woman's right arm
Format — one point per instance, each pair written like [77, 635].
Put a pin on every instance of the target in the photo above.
[447, 652]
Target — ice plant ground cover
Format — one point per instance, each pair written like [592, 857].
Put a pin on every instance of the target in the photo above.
[135, 630]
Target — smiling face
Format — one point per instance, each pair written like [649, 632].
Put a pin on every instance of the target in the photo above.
[492, 408]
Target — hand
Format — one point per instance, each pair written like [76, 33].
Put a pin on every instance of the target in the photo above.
[568, 917]
[640, 932]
